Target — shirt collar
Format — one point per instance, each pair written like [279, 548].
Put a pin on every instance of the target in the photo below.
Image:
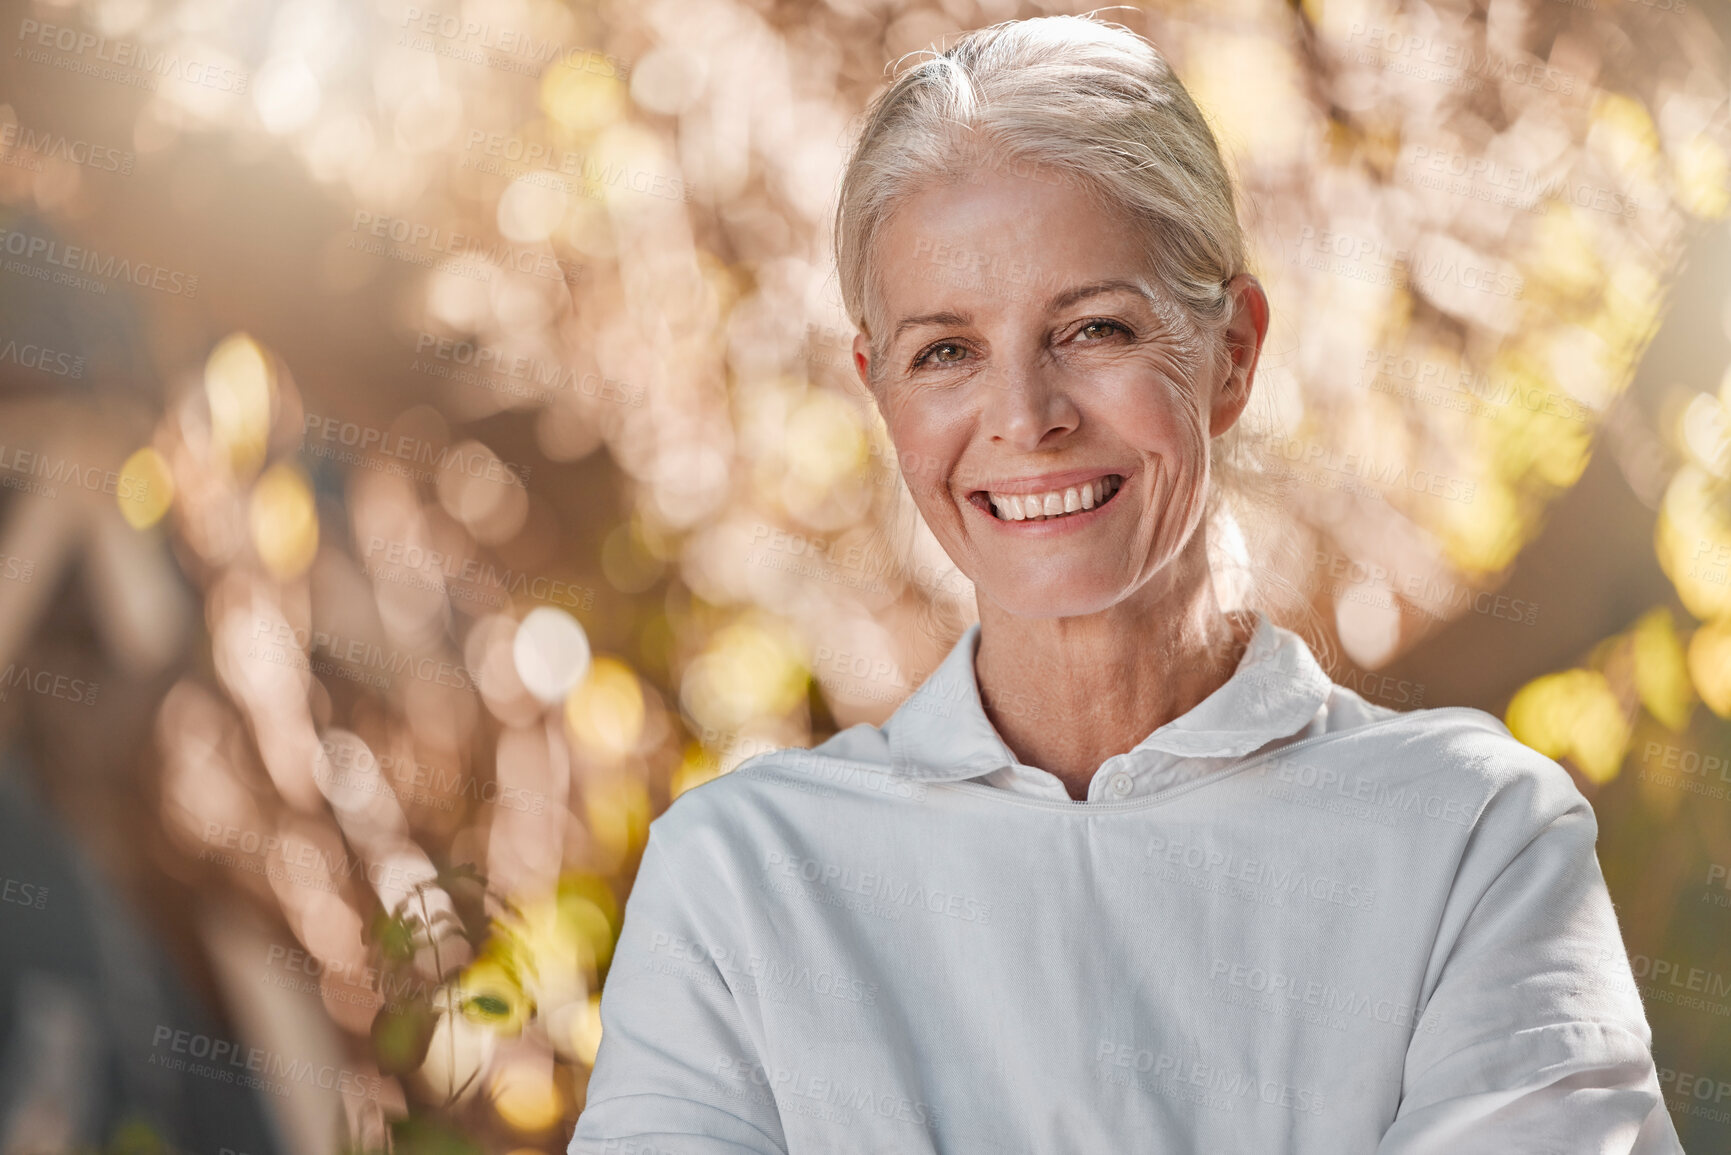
[941, 732]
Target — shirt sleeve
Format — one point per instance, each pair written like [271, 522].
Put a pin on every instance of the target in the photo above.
[1534, 1038]
[673, 1075]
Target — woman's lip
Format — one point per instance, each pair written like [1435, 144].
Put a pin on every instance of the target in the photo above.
[1046, 482]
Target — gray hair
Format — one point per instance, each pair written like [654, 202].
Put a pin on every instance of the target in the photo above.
[1070, 99]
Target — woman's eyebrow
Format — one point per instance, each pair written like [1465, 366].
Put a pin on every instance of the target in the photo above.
[1094, 289]
[907, 323]
[1062, 301]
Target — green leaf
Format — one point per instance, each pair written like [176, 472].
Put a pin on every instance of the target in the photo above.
[401, 1035]
[492, 1006]
[420, 1135]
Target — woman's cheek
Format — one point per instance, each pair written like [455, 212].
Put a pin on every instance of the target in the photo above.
[1183, 501]
[914, 414]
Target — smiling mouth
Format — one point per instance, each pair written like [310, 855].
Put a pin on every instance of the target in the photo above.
[1051, 505]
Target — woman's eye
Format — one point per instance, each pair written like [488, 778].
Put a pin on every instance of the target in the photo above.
[945, 353]
[1094, 330]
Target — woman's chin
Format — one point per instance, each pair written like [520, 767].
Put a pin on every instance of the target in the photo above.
[1046, 599]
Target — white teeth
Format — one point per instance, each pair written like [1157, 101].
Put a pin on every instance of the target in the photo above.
[1057, 503]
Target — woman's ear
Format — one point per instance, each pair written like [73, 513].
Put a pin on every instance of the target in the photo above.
[862, 360]
[1244, 335]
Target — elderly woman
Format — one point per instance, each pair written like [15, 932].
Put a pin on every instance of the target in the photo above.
[1128, 872]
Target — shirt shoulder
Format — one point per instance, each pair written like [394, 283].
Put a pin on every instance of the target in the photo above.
[1347, 709]
[765, 790]
[1461, 751]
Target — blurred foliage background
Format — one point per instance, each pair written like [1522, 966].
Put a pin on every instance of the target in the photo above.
[430, 447]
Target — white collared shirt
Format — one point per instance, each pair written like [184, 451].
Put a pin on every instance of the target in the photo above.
[1287, 921]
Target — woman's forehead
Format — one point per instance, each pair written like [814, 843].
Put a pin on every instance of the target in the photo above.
[1007, 242]
[999, 205]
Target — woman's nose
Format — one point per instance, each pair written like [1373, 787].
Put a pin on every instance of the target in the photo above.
[1026, 406]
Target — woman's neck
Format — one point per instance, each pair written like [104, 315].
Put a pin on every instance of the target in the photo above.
[1100, 683]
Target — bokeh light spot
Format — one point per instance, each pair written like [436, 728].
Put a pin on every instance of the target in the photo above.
[550, 652]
